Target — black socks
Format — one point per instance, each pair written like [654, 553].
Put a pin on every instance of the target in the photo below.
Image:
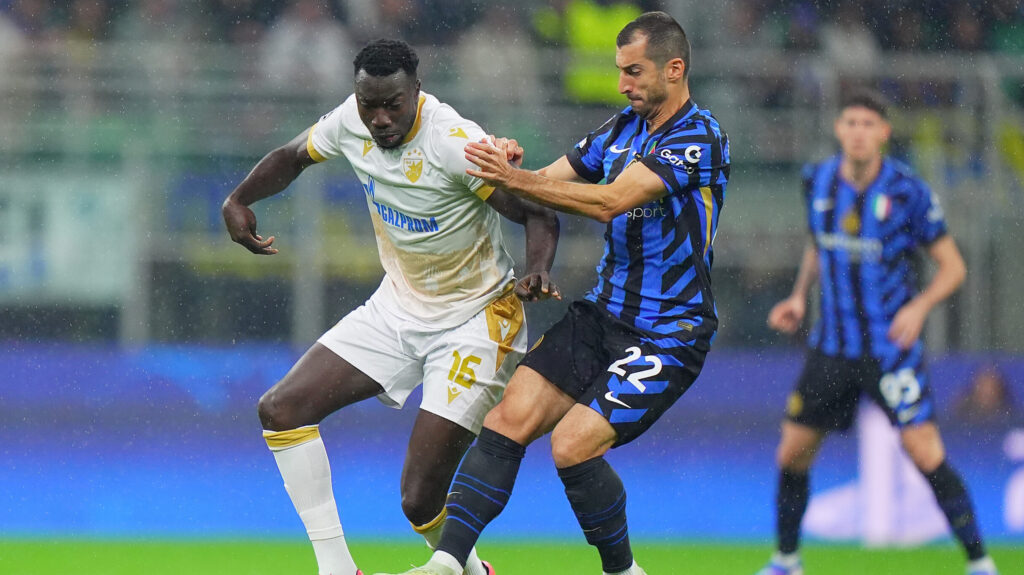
[790, 505]
[956, 503]
[479, 491]
[599, 501]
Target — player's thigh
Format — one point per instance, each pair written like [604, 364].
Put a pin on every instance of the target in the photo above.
[320, 383]
[639, 378]
[923, 443]
[467, 368]
[531, 407]
[436, 446]
[376, 341]
[622, 374]
[798, 446]
[581, 435]
[555, 372]
[826, 393]
[903, 391]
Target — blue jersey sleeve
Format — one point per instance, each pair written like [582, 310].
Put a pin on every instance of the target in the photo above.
[927, 220]
[689, 160]
[587, 157]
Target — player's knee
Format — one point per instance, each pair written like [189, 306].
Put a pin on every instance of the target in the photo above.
[565, 453]
[783, 458]
[924, 446]
[515, 424]
[275, 412]
[795, 459]
[421, 503]
[926, 457]
[568, 449]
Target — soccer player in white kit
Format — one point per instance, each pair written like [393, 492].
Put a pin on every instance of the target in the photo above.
[448, 312]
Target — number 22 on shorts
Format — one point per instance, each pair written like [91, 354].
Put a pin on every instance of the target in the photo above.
[633, 354]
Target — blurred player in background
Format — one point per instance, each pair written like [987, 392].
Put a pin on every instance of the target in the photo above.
[447, 313]
[601, 376]
[868, 215]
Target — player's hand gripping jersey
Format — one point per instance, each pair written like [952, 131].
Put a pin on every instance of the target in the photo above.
[439, 242]
[655, 273]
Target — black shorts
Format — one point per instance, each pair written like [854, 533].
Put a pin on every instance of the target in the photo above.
[829, 387]
[629, 376]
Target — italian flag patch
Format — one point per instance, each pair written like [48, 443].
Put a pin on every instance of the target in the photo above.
[882, 207]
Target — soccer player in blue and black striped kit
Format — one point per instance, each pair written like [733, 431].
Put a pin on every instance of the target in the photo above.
[623, 355]
[868, 215]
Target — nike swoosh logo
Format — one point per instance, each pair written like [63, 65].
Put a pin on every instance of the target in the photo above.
[614, 399]
[618, 150]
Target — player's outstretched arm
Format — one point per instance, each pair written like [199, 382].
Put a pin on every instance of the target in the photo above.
[637, 185]
[270, 176]
[541, 240]
[788, 314]
[909, 320]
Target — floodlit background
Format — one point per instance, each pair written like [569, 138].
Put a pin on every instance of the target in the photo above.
[137, 337]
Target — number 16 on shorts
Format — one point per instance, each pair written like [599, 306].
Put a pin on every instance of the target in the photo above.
[461, 374]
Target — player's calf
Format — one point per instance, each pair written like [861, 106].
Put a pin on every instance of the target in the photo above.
[479, 492]
[302, 460]
[598, 499]
[955, 502]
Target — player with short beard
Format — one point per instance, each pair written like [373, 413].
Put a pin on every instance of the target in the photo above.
[624, 354]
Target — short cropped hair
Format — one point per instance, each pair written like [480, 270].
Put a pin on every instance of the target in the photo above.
[385, 57]
[865, 98]
[665, 38]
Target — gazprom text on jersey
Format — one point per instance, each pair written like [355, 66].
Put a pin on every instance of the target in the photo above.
[400, 220]
[396, 218]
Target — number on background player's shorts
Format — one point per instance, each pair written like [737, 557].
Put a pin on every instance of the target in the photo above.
[828, 389]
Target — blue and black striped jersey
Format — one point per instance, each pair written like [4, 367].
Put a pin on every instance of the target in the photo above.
[655, 272]
[866, 244]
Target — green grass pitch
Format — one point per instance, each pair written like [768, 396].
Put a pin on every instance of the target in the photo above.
[87, 557]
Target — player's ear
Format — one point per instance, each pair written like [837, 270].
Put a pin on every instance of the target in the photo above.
[675, 70]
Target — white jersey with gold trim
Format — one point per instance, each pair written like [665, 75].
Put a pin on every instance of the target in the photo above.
[439, 242]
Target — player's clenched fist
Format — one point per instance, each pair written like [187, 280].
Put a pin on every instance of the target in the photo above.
[787, 315]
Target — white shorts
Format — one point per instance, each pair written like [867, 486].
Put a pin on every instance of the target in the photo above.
[464, 369]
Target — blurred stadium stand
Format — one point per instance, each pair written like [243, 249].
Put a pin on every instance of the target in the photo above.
[117, 154]
[124, 125]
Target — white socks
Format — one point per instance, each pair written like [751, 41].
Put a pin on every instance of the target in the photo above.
[445, 563]
[983, 565]
[431, 532]
[302, 460]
